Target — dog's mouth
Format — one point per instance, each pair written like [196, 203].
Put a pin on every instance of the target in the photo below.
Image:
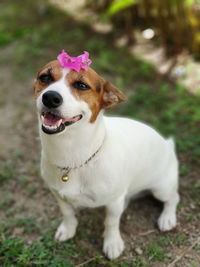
[52, 123]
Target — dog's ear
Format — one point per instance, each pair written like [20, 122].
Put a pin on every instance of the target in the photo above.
[111, 95]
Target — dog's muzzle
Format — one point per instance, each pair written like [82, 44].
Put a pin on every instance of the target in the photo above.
[53, 123]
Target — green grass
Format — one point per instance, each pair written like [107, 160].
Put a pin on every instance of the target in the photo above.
[195, 190]
[6, 203]
[180, 240]
[42, 253]
[140, 262]
[8, 171]
[194, 264]
[156, 253]
[9, 168]
[165, 240]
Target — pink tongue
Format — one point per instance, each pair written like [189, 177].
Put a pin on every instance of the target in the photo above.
[74, 119]
[51, 120]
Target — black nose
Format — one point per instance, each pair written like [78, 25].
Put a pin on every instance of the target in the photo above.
[52, 99]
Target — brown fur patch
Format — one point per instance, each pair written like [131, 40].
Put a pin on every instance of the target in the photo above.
[98, 86]
[56, 71]
[111, 95]
[101, 95]
[91, 96]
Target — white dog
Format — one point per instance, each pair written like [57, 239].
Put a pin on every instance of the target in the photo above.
[89, 160]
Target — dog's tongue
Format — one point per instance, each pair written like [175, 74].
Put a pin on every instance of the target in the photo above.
[51, 119]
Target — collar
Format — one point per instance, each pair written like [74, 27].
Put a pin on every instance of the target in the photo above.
[66, 170]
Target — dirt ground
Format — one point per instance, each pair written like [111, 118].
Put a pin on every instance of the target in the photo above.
[24, 195]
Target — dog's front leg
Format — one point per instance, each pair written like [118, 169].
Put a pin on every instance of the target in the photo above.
[113, 243]
[67, 228]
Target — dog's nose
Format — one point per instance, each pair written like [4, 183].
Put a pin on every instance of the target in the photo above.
[52, 99]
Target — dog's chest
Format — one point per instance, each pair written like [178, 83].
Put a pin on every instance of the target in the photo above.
[81, 189]
[78, 192]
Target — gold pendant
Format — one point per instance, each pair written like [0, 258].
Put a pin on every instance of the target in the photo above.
[65, 178]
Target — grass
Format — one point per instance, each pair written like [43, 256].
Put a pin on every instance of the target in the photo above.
[43, 253]
[195, 190]
[33, 37]
[155, 253]
[8, 170]
[180, 240]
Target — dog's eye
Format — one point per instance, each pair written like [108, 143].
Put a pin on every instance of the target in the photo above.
[81, 86]
[46, 78]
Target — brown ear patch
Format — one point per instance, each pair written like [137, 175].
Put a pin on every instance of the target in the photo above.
[102, 94]
[98, 86]
[111, 95]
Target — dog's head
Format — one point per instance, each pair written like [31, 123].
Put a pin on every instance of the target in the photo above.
[66, 98]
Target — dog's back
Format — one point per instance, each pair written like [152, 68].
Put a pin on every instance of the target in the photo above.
[140, 153]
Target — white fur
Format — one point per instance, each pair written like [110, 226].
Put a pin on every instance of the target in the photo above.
[133, 157]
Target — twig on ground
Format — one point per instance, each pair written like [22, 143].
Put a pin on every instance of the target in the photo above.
[147, 233]
[85, 262]
[184, 252]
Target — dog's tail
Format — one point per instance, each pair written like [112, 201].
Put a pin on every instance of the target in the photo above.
[171, 143]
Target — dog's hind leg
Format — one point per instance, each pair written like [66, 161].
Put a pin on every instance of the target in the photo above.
[167, 219]
[113, 243]
[166, 190]
[167, 193]
[67, 228]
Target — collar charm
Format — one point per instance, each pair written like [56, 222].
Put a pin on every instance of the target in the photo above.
[65, 178]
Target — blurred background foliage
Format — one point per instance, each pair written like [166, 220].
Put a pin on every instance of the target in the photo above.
[176, 22]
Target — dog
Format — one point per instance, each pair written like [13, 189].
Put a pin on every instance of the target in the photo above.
[91, 160]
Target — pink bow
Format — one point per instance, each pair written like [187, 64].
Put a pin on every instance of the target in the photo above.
[75, 63]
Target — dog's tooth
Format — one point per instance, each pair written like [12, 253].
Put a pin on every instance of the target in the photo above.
[42, 118]
[59, 123]
[47, 126]
[52, 127]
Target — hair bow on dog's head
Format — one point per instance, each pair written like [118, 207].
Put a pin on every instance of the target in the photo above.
[75, 63]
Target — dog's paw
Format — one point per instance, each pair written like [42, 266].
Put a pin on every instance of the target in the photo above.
[113, 247]
[65, 232]
[167, 221]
